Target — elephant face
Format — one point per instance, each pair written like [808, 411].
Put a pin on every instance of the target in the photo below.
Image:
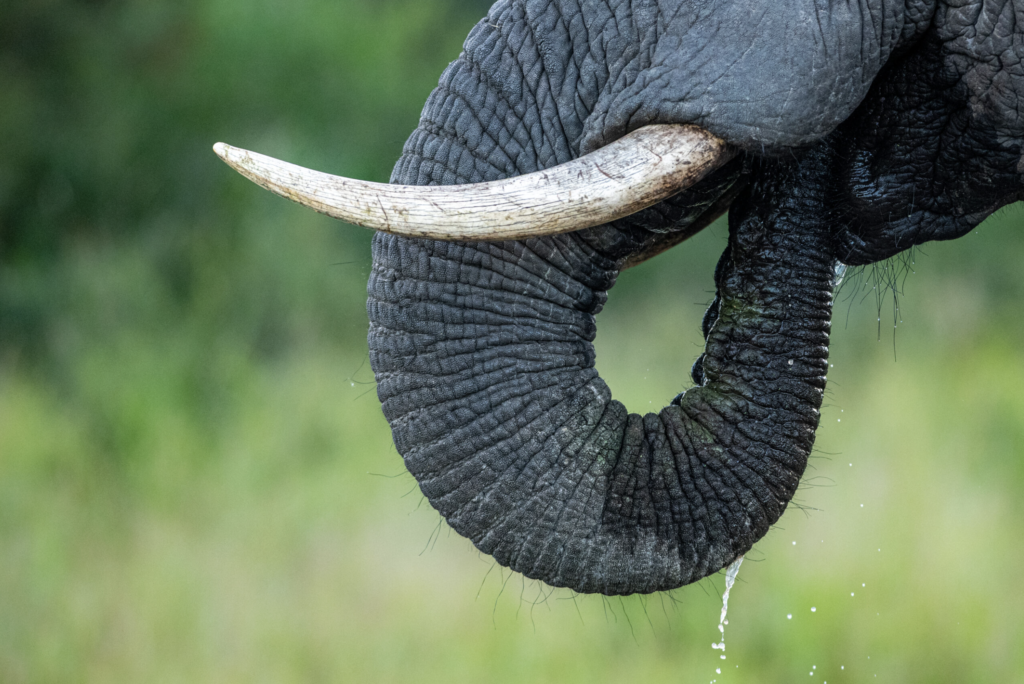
[919, 101]
[862, 130]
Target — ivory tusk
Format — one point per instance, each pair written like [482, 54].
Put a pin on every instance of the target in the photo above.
[623, 177]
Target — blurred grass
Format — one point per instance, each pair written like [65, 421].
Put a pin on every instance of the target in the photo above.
[196, 482]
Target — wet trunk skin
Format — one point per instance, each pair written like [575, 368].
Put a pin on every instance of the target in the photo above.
[485, 367]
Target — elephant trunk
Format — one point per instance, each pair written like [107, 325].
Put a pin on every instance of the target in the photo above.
[484, 359]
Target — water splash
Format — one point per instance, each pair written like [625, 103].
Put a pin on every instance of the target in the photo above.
[730, 579]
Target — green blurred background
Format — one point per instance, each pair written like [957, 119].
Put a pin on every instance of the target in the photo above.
[197, 484]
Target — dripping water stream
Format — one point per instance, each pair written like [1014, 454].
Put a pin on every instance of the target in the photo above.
[730, 579]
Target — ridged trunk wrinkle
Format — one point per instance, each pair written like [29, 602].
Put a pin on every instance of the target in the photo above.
[484, 359]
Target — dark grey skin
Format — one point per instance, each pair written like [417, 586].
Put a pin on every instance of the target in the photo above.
[864, 129]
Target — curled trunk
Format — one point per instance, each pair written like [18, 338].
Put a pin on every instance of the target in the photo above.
[484, 359]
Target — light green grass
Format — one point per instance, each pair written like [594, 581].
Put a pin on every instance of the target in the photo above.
[178, 507]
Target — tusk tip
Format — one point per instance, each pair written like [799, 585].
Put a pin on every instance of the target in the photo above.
[222, 150]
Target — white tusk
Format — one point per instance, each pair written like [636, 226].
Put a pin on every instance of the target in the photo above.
[623, 177]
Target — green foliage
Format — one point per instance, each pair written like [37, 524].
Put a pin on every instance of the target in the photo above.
[111, 109]
[196, 482]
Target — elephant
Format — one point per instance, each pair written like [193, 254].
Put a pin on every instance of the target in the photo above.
[833, 134]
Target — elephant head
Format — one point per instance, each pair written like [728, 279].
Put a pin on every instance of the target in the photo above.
[852, 132]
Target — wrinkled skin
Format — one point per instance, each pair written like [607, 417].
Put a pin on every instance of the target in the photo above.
[865, 128]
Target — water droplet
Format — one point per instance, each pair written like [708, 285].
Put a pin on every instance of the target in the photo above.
[851, 593]
[794, 543]
[863, 584]
[718, 670]
[862, 505]
[789, 616]
[813, 609]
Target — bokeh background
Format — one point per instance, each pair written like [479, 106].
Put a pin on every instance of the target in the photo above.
[197, 484]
